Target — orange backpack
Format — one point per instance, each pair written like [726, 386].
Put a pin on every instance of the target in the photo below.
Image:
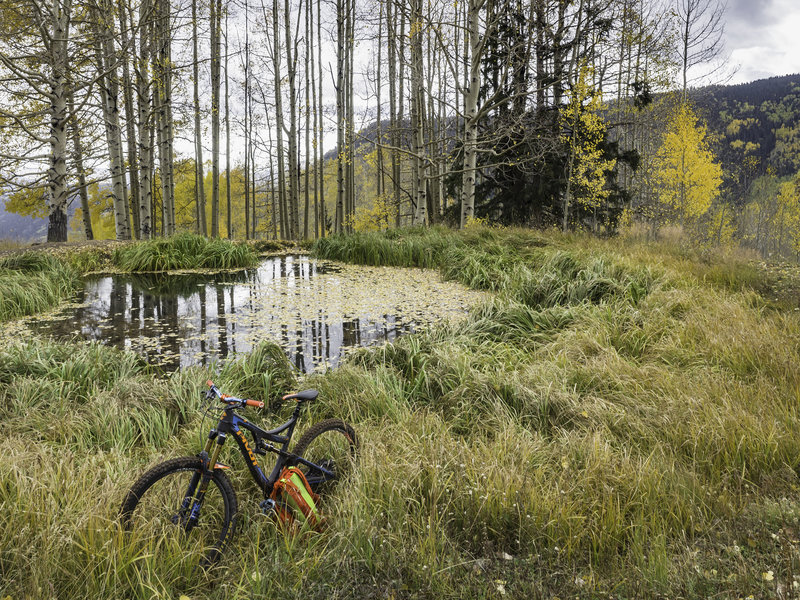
[295, 500]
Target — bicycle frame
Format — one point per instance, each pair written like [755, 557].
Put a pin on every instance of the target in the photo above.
[232, 423]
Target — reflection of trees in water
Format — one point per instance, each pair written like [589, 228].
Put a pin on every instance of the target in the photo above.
[184, 285]
[174, 320]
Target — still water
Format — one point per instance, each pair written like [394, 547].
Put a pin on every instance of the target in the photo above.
[316, 311]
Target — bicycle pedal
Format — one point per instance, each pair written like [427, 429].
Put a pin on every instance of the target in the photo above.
[267, 506]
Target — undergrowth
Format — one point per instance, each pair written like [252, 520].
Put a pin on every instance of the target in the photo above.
[617, 420]
[183, 251]
[33, 282]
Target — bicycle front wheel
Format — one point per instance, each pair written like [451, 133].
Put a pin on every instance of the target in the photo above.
[331, 444]
[167, 513]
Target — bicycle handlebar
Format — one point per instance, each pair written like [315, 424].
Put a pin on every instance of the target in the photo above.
[214, 391]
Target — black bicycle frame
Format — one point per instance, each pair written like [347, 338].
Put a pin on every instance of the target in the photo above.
[232, 423]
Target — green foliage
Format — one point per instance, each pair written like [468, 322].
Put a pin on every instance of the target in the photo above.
[183, 251]
[411, 247]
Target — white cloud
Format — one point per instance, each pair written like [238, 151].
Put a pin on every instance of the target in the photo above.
[769, 48]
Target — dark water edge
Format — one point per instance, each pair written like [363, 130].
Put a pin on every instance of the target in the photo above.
[180, 320]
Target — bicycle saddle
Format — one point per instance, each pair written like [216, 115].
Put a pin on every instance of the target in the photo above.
[303, 396]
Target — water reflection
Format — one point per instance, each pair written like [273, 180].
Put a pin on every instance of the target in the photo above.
[314, 310]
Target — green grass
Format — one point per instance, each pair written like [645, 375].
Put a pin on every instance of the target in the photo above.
[183, 251]
[33, 282]
[618, 419]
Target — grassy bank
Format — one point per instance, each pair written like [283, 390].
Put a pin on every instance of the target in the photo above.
[36, 280]
[619, 419]
[33, 282]
[183, 251]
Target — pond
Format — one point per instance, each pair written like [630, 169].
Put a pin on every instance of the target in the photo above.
[316, 310]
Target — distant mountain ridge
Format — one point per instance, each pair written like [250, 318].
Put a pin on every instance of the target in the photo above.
[19, 228]
[757, 124]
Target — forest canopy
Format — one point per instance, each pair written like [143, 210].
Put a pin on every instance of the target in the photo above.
[294, 119]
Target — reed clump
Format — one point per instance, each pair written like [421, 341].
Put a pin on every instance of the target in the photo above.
[33, 282]
[183, 251]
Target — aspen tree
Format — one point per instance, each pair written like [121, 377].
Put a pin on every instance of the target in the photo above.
[417, 115]
[216, 29]
[199, 190]
[143, 121]
[128, 50]
[77, 156]
[689, 178]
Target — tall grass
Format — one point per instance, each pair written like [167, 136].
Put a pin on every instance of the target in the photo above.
[183, 251]
[607, 424]
[33, 282]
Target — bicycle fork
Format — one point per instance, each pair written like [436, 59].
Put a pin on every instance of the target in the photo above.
[193, 499]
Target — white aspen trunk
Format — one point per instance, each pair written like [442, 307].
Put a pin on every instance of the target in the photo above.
[227, 137]
[246, 122]
[216, 24]
[279, 121]
[316, 115]
[57, 172]
[294, 179]
[308, 122]
[350, 204]
[165, 132]
[130, 122]
[109, 101]
[321, 168]
[199, 189]
[417, 109]
[471, 113]
[379, 182]
[391, 19]
[144, 123]
[401, 78]
[340, 113]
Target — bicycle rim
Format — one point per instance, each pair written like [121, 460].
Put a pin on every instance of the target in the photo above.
[160, 523]
[331, 444]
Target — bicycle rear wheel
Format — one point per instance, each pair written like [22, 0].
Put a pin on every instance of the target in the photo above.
[331, 444]
[158, 511]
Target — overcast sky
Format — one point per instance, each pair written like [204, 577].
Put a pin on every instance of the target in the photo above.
[763, 38]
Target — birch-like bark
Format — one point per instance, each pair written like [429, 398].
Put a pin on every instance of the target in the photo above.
[316, 117]
[307, 195]
[77, 151]
[350, 133]
[279, 121]
[129, 48]
[108, 87]
[471, 112]
[199, 180]
[294, 179]
[320, 144]
[143, 91]
[417, 116]
[163, 110]
[227, 137]
[216, 27]
[340, 112]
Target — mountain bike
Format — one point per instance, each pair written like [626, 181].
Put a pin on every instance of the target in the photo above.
[189, 502]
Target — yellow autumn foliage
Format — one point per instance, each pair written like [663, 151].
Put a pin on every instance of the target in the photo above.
[687, 173]
[584, 132]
